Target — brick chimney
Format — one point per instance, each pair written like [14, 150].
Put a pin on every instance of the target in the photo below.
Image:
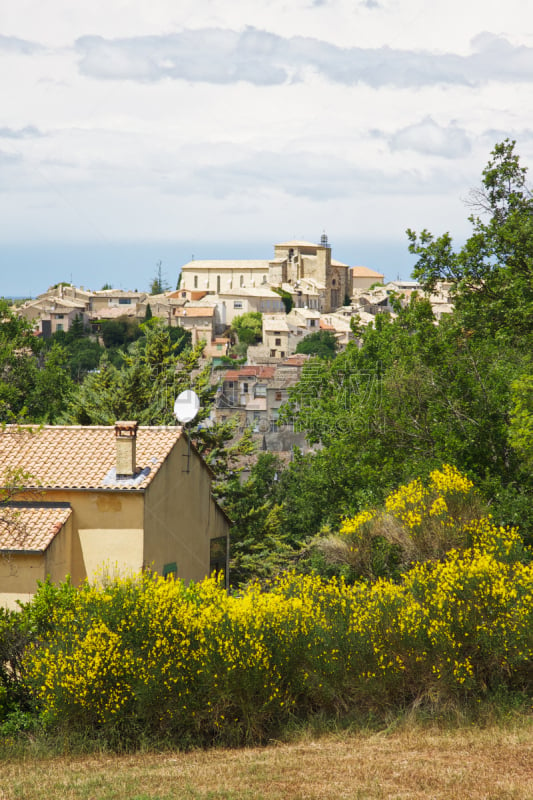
[126, 440]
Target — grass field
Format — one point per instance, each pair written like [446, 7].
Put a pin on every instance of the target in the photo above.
[416, 763]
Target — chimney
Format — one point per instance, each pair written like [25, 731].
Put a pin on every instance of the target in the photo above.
[126, 439]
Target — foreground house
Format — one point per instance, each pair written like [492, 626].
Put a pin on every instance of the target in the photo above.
[105, 499]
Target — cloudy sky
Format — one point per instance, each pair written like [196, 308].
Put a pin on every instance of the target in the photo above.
[133, 132]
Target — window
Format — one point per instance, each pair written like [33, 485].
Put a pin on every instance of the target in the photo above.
[59, 316]
[196, 281]
[278, 396]
[245, 388]
[272, 354]
[278, 342]
[124, 301]
[217, 554]
[282, 354]
[170, 570]
[312, 323]
[237, 304]
[59, 326]
[218, 284]
[241, 282]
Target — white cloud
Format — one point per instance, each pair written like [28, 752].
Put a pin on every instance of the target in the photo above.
[429, 138]
[20, 133]
[265, 59]
[16, 46]
[127, 120]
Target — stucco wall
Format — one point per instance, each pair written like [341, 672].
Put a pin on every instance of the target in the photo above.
[181, 517]
[107, 532]
[19, 573]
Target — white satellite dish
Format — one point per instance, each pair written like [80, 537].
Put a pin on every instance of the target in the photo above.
[186, 406]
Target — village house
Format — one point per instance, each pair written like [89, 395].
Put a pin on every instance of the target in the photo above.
[254, 394]
[218, 348]
[242, 393]
[114, 298]
[234, 302]
[199, 319]
[52, 313]
[101, 498]
[364, 278]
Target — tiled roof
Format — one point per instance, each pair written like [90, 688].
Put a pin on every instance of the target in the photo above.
[296, 243]
[112, 293]
[295, 360]
[220, 263]
[325, 327]
[113, 312]
[255, 291]
[196, 311]
[365, 272]
[82, 456]
[249, 372]
[32, 526]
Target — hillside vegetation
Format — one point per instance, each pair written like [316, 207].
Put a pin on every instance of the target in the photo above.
[388, 569]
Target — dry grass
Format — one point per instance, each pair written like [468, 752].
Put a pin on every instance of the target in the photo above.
[413, 764]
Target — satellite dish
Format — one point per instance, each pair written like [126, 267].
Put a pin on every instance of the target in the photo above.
[186, 406]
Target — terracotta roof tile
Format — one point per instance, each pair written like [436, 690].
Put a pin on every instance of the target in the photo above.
[31, 526]
[189, 311]
[365, 272]
[82, 457]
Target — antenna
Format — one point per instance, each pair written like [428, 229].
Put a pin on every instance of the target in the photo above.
[186, 407]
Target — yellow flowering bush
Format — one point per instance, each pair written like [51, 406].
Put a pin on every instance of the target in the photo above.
[147, 656]
[421, 520]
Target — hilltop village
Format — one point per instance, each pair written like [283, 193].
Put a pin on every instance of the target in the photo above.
[301, 291]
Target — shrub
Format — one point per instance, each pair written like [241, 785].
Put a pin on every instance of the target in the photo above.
[149, 657]
[420, 521]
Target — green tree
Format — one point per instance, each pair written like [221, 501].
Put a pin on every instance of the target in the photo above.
[34, 386]
[259, 542]
[493, 272]
[144, 386]
[321, 343]
[248, 327]
[158, 284]
[286, 298]
[414, 395]
[119, 332]
[521, 427]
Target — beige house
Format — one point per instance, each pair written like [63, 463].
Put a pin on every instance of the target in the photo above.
[217, 348]
[104, 499]
[278, 337]
[364, 278]
[235, 302]
[114, 298]
[199, 319]
[51, 314]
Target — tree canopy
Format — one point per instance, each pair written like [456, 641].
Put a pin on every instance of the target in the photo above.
[321, 343]
[492, 273]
